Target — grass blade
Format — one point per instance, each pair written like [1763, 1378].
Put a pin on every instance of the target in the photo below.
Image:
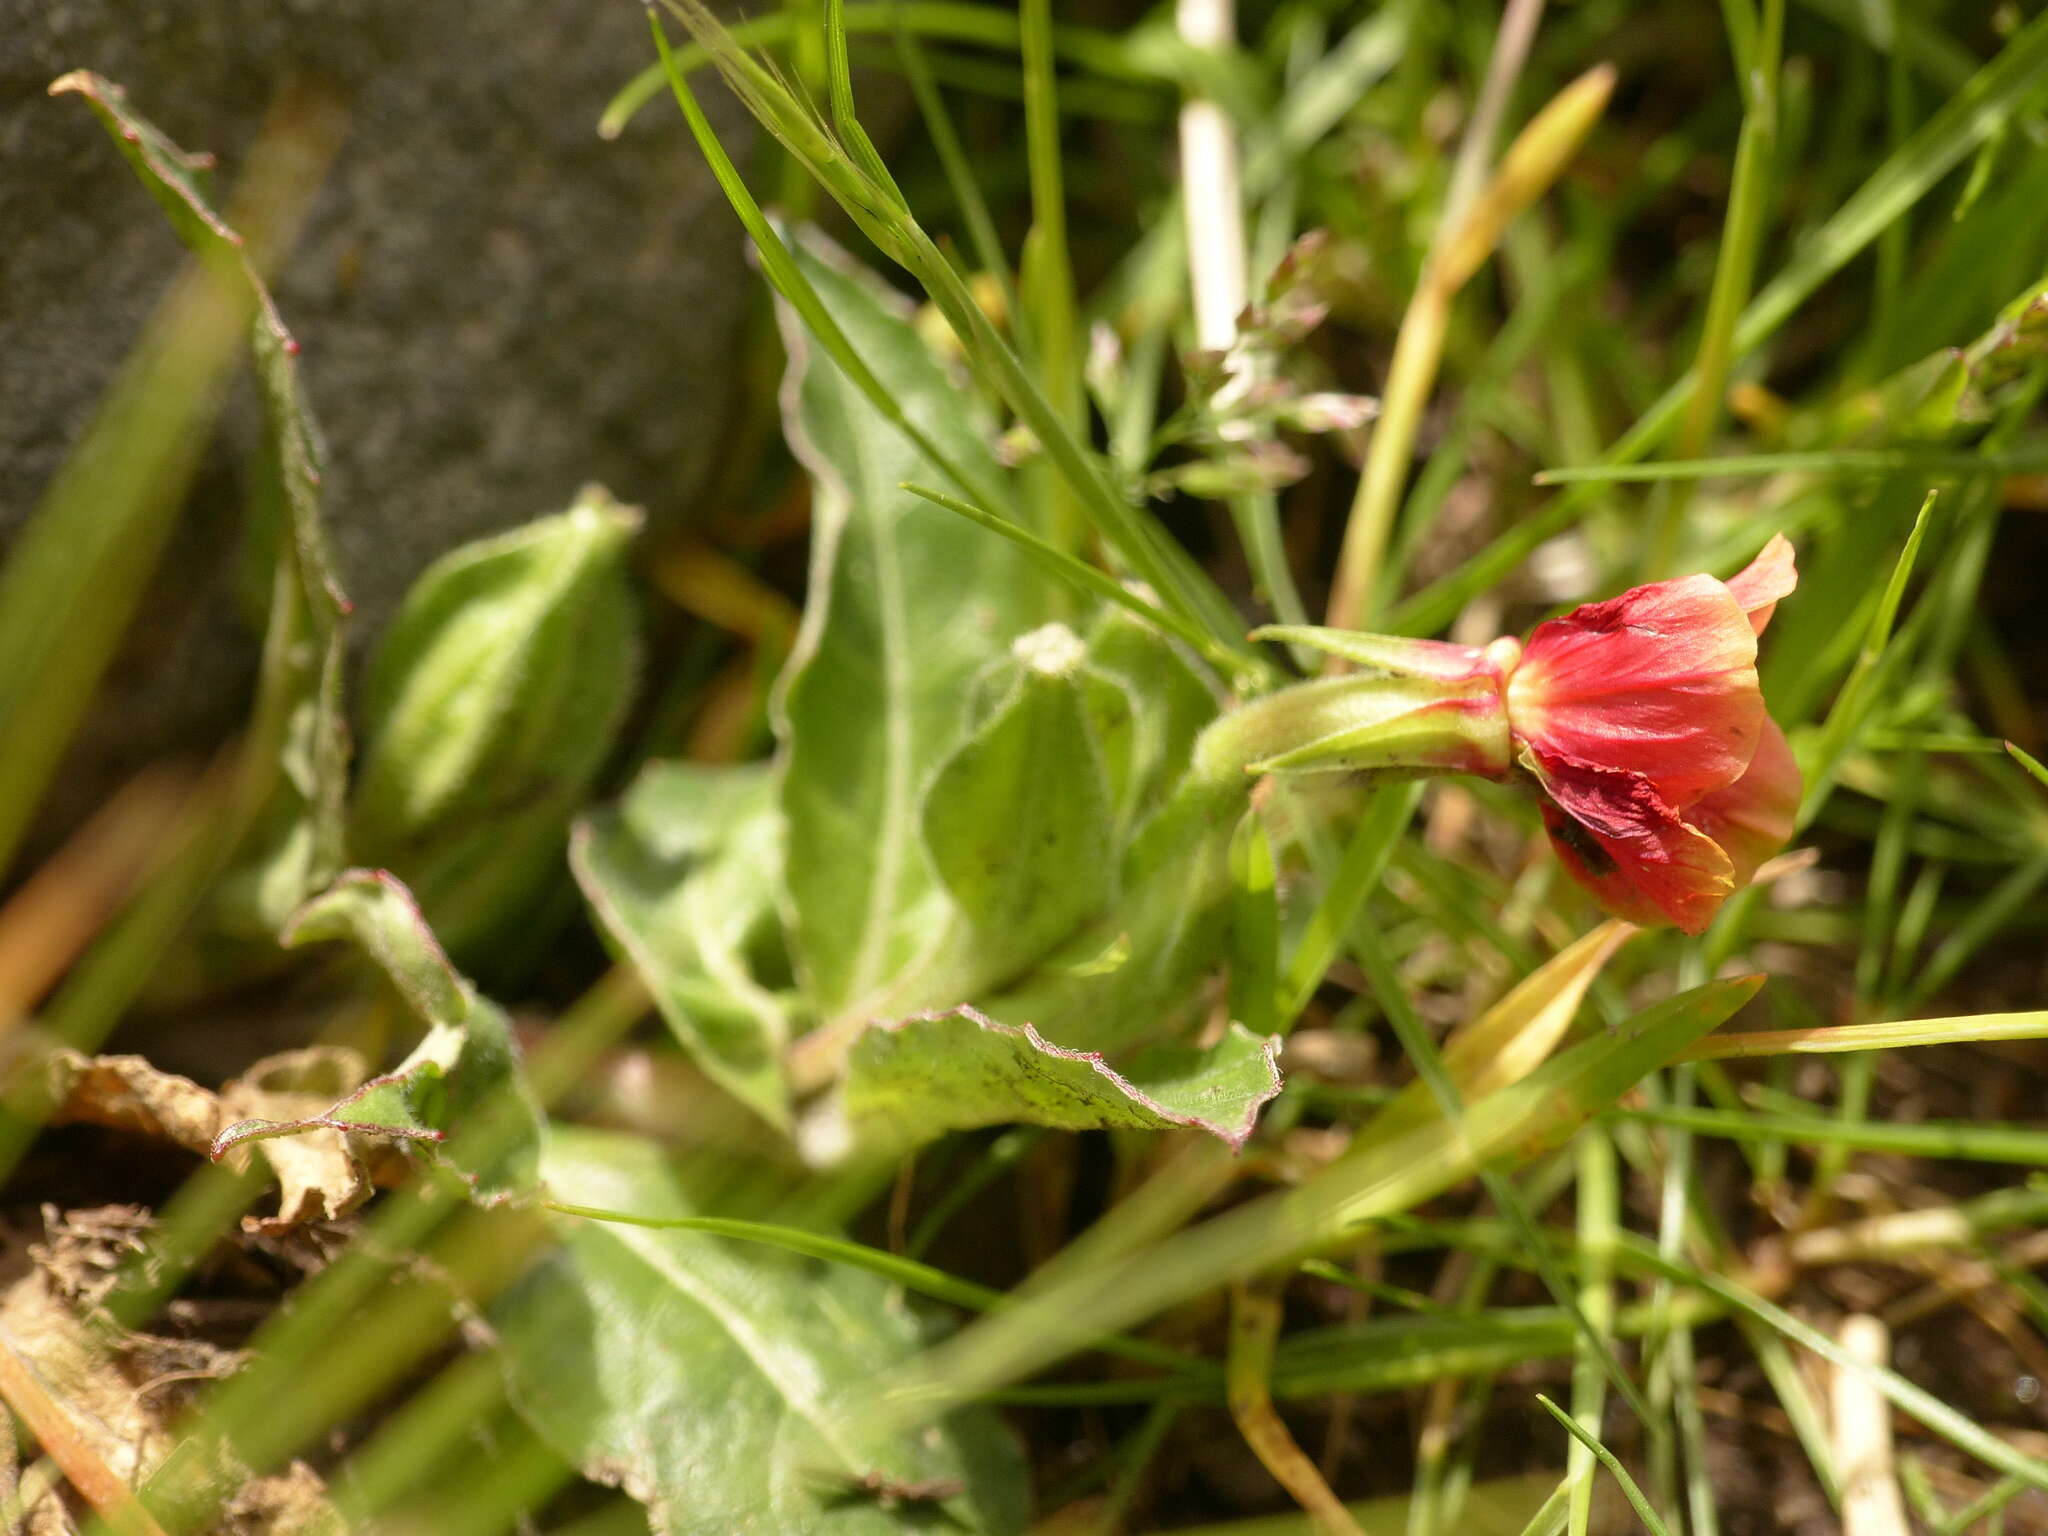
[1985, 104]
[986, 26]
[1607, 1459]
[908, 1273]
[1952, 1139]
[782, 271]
[1082, 576]
[1047, 277]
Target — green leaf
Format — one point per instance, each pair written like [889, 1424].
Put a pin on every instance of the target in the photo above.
[78, 569]
[178, 183]
[406, 1105]
[1945, 394]
[1017, 820]
[373, 908]
[726, 1386]
[1337, 1207]
[682, 878]
[908, 603]
[459, 1090]
[907, 1273]
[916, 1078]
[300, 841]
[493, 701]
[1131, 974]
[1087, 579]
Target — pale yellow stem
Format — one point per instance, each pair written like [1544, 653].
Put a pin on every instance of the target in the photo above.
[1254, 1326]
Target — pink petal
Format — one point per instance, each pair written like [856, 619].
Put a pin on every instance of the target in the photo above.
[1770, 576]
[1630, 849]
[1660, 682]
[1753, 817]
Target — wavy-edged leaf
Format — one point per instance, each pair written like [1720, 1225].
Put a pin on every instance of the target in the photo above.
[912, 1079]
[725, 1386]
[907, 604]
[457, 1093]
[177, 181]
[320, 1178]
[682, 877]
[1336, 1207]
[303, 841]
[397, 1105]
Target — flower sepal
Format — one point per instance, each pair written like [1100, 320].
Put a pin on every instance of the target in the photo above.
[1395, 655]
[1383, 724]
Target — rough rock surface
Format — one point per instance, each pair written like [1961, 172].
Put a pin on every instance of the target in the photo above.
[495, 306]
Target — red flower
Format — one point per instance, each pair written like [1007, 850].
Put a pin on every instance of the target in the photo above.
[1642, 720]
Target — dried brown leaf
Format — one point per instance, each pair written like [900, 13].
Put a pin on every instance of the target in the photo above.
[106, 1399]
[322, 1175]
[85, 1251]
[288, 1503]
[126, 1093]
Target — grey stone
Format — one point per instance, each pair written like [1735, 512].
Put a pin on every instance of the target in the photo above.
[494, 305]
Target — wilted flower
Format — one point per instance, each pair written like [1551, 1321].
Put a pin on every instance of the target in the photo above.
[1640, 719]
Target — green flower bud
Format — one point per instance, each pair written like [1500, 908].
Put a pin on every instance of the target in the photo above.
[492, 702]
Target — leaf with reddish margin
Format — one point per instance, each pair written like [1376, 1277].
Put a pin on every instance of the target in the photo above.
[299, 715]
[465, 1065]
[374, 908]
[174, 178]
